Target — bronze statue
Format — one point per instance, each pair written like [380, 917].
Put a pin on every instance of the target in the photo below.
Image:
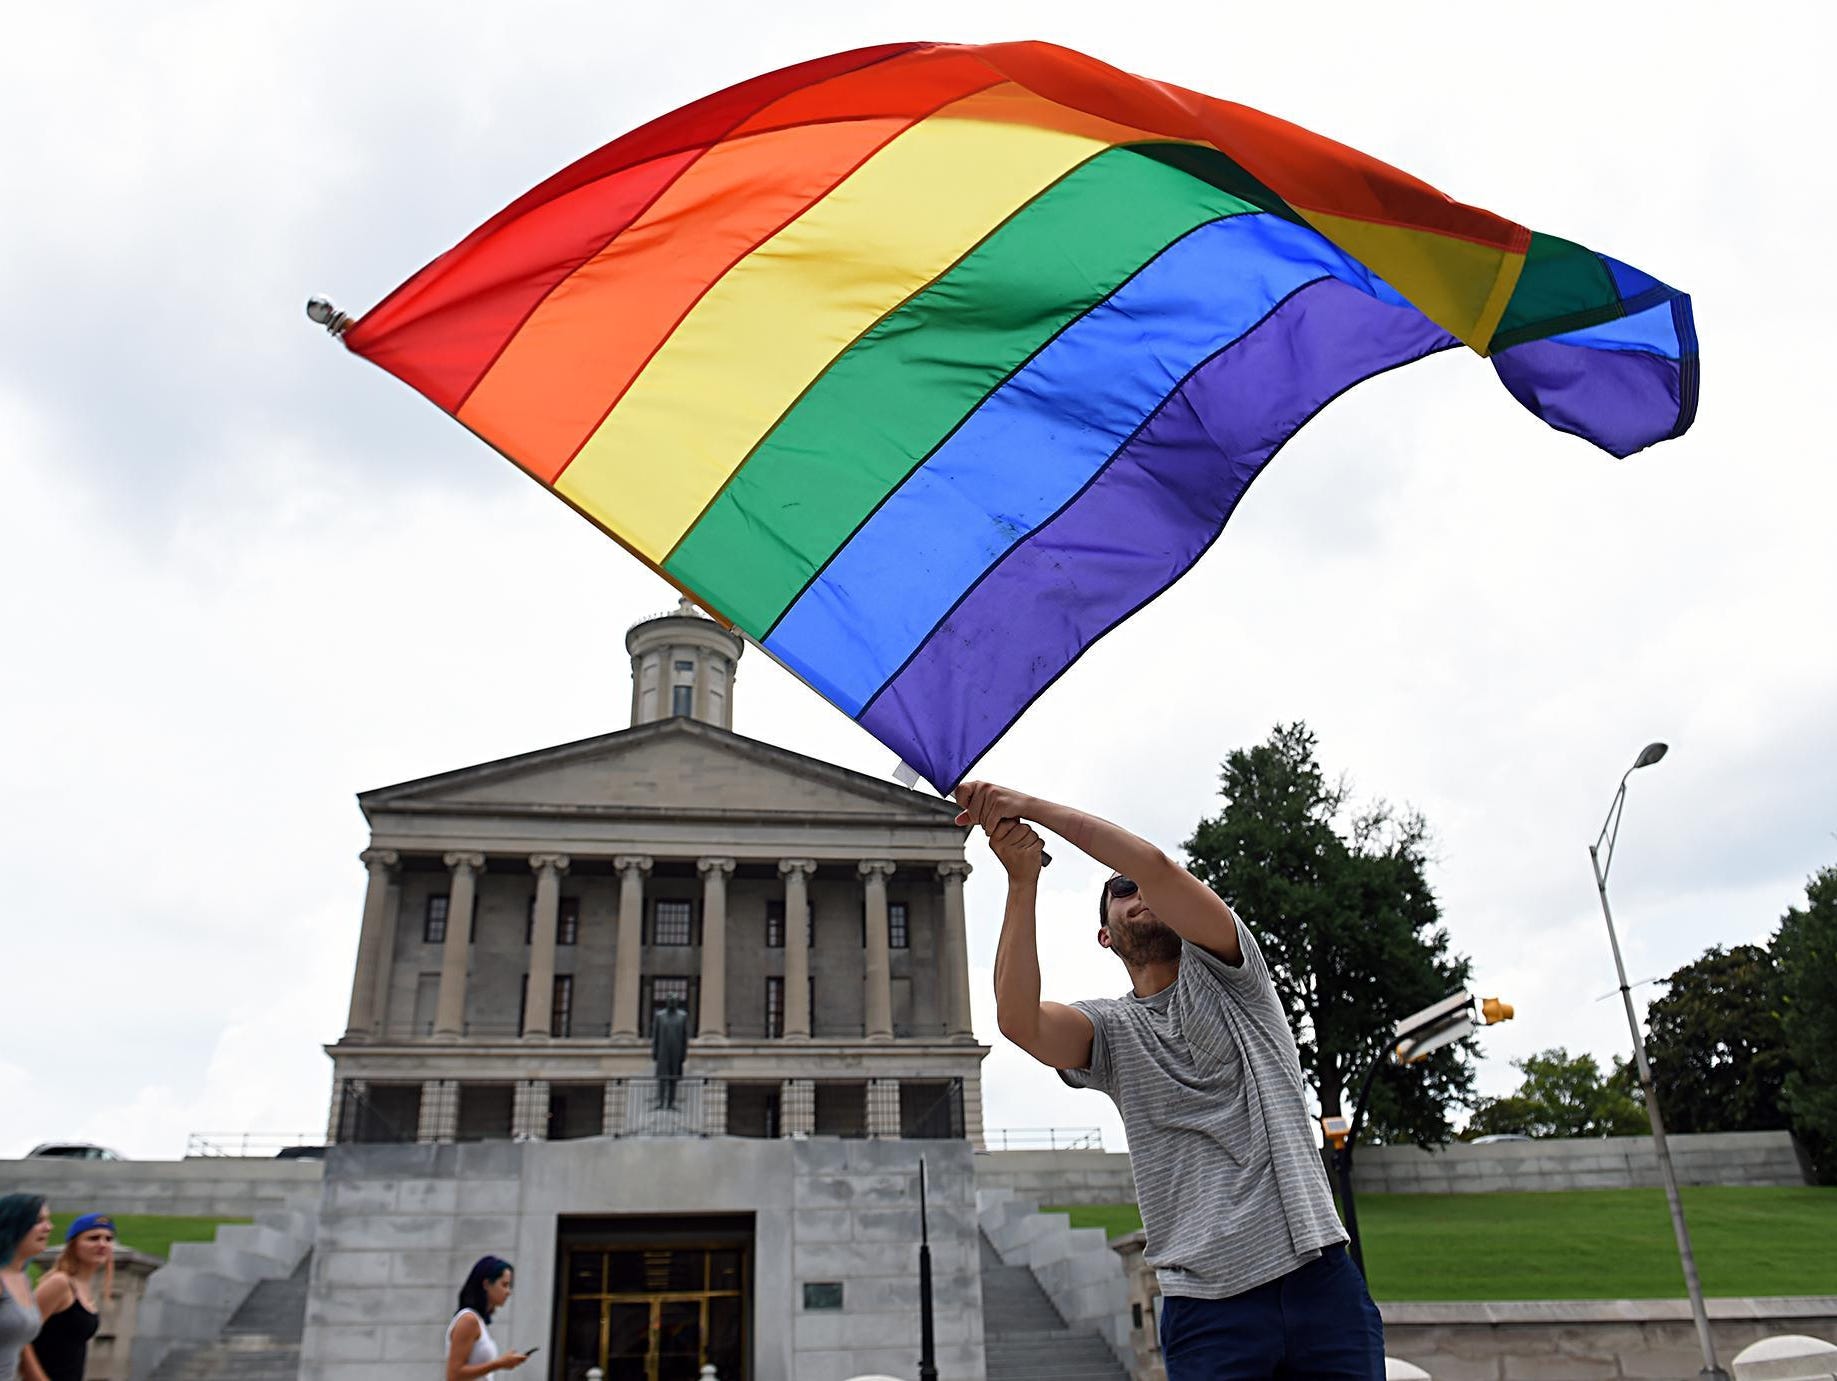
[669, 1043]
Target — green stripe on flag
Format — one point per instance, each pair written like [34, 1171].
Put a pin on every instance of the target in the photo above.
[891, 398]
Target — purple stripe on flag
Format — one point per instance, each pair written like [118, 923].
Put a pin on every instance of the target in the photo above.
[1137, 527]
[1623, 401]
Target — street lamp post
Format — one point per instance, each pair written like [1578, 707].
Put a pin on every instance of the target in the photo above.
[1601, 856]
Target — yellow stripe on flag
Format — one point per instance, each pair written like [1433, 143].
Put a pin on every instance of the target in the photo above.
[780, 316]
[1449, 280]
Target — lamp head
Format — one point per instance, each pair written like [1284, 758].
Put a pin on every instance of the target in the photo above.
[1650, 754]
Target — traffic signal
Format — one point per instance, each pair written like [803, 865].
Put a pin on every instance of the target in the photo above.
[1493, 1011]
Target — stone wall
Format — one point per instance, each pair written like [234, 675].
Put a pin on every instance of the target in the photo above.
[400, 1226]
[1618, 1162]
[1563, 1339]
[1059, 1177]
[204, 1186]
[1622, 1162]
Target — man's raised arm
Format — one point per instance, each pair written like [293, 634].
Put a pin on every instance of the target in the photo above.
[1051, 1032]
[1181, 901]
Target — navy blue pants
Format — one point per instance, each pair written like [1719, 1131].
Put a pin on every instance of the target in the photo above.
[1316, 1321]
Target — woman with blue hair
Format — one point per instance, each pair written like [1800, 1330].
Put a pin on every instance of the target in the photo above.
[470, 1350]
[25, 1230]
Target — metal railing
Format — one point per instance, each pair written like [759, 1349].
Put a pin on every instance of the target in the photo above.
[249, 1143]
[1044, 1139]
[690, 1106]
[666, 1107]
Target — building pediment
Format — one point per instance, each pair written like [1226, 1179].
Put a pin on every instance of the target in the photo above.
[676, 767]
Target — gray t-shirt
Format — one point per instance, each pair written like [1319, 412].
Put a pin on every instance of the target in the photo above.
[1208, 1082]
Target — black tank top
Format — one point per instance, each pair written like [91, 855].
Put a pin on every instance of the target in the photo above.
[62, 1345]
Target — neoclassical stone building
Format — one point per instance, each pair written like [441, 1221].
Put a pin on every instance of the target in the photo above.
[526, 918]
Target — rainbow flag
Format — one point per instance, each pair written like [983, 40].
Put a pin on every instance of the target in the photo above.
[926, 365]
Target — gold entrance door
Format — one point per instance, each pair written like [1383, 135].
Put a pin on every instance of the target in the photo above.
[656, 1313]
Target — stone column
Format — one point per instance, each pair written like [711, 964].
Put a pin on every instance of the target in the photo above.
[715, 872]
[385, 967]
[529, 1111]
[450, 1011]
[439, 1111]
[539, 1001]
[879, 1004]
[883, 1107]
[348, 1097]
[632, 868]
[954, 954]
[972, 1111]
[363, 1021]
[797, 873]
[797, 1108]
[714, 1107]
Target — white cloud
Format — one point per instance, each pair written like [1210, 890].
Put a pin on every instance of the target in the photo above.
[245, 576]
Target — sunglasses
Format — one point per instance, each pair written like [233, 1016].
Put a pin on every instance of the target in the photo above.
[1120, 887]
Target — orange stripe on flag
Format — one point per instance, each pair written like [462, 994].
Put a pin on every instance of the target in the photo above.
[578, 352]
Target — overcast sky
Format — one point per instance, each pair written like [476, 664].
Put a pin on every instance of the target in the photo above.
[246, 575]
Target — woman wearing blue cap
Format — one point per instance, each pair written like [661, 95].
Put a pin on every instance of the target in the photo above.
[25, 1228]
[69, 1300]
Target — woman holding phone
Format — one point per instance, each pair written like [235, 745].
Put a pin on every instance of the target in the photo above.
[470, 1350]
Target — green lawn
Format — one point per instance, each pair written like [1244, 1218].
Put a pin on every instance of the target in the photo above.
[151, 1233]
[1599, 1244]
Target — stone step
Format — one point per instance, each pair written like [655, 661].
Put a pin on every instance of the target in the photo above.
[261, 1342]
[274, 1308]
[1024, 1336]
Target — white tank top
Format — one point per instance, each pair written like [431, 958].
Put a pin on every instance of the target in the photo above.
[484, 1350]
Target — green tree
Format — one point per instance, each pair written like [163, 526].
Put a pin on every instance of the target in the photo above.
[1348, 924]
[1561, 1095]
[1716, 1045]
[1805, 948]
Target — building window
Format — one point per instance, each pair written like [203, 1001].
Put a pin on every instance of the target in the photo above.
[774, 1007]
[561, 1006]
[567, 922]
[899, 932]
[683, 666]
[672, 922]
[682, 700]
[774, 925]
[433, 924]
[561, 1012]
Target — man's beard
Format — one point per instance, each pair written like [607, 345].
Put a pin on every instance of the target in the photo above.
[1138, 943]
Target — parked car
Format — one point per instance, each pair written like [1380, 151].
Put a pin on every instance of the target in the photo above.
[1498, 1137]
[72, 1150]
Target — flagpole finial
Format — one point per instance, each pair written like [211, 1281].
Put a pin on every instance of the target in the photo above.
[325, 314]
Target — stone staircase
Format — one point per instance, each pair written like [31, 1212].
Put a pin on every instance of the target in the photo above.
[261, 1342]
[1024, 1337]
[195, 1297]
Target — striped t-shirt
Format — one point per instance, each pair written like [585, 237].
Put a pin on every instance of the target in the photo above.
[1208, 1082]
